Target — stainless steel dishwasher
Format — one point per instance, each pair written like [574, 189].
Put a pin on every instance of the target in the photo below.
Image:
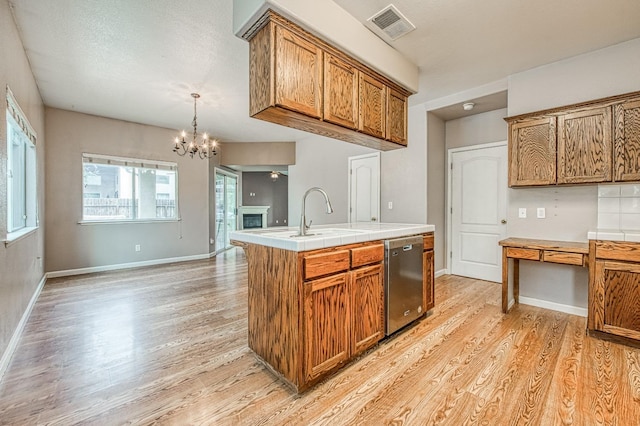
[403, 287]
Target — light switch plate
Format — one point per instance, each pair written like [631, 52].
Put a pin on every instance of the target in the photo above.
[522, 212]
[541, 213]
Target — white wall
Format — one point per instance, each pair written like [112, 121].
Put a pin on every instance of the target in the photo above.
[21, 263]
[571, 211]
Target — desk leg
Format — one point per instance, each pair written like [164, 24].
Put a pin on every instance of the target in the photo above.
[516, 281]
[505, 281]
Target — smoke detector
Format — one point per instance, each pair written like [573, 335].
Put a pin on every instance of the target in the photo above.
[389, 23]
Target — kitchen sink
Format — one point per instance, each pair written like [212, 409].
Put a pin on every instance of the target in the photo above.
[315, 233]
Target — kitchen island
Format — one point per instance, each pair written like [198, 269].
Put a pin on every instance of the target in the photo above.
[317, 301]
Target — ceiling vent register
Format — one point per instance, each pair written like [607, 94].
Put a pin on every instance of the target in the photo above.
[390, 22]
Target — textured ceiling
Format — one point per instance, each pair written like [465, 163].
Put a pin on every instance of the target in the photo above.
[140, 60]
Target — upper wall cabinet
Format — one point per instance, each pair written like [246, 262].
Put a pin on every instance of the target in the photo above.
[584, 146]
[593, 142]
[626, 148]
[300, 81]
[532, 152]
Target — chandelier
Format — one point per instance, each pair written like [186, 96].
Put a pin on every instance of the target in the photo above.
[200, 145]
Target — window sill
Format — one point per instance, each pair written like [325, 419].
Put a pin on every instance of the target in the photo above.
[15, 236]
[121, 222]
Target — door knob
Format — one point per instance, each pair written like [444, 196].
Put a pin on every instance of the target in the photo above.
[373, 219]
[503, 221]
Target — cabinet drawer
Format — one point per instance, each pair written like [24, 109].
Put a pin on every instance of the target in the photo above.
[523, 253]
[563, 257]
[316, 265]
[428, 242]
[366, 255]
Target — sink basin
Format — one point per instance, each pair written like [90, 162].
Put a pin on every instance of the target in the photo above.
[315, 233]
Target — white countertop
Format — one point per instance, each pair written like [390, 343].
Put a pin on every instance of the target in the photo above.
[322, 236]
[614, 235]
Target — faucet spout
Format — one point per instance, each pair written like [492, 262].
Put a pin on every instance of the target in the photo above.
[303, 221]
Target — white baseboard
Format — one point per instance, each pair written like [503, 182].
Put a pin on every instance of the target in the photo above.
[15, 338]
[69, 272]
[441, 272]
[567, 309]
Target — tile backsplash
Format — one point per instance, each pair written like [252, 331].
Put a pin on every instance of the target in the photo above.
[619, 207]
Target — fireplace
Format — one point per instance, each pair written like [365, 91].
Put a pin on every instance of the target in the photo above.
[253, 216]
[251, 220]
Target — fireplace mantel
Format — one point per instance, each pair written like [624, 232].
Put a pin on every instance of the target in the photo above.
[261, 210]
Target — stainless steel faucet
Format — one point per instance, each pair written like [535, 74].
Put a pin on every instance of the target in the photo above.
[303, 221]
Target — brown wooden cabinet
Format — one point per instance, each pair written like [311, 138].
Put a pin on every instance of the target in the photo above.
[626, 131]
[428, 279]
[367, 307]
[327, 334]
[585, 146]
[592, 142]
[341, 102]
[396, 117]
[300, 81]
[614, 288]
[532, 152]
[298, 73]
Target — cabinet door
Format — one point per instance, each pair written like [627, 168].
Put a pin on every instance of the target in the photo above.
[614, 305]
[396, 117]
[585, 146]
[532, 152]
[626, 151]
[298, 70]
[340, 92]
[367, 304]
[373, 97]
[429, 280]
[326, 324]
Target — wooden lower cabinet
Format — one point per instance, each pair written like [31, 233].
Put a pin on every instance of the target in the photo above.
[326, 324]
[428, 279]
[614, 289]
[367, 308]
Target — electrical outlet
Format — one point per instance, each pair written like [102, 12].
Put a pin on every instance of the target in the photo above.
[390, 205]
[137, 247]
[522, 212]
[541, 213]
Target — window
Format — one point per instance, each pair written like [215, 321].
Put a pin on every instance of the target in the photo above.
[22, 196]
[126, 189]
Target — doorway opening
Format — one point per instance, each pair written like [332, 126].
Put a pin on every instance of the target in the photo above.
[226, 201]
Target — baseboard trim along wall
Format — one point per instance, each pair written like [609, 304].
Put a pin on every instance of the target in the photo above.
[567, 309]
[15, 338]
[441, 272]
[90, 270]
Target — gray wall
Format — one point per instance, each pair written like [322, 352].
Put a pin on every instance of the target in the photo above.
[267, 193]
[323, 162]
[436, 184]
[21, 263]
[571, 211]
[70, 245]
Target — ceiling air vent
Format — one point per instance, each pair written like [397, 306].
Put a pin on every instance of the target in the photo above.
[390, 22]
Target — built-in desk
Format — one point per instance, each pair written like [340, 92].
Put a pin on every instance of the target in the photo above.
[563, 252]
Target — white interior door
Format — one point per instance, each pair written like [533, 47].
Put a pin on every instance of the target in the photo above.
[364, 188]
[478, 184]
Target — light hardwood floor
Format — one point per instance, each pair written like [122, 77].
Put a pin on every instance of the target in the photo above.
[168, 345]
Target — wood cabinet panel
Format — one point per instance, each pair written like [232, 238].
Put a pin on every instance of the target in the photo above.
[396, 117]
[429, 280]
[340, 92]
[367, 255]
[326, 324]
[563, 257]
[585, 146]
[316, 265]
[532, 152]
[373, 97]
[427, 242]
[298, 73]
[367, 302]
[626, 152]
[523, 253]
